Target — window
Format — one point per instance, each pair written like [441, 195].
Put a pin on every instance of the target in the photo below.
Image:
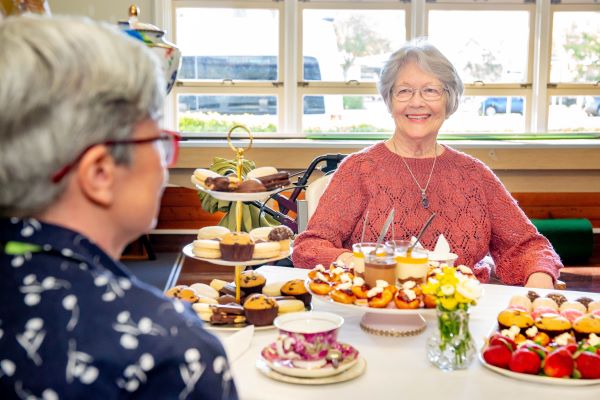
[293, 68]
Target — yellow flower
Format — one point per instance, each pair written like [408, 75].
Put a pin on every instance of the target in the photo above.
[449, 303]
[447, 289]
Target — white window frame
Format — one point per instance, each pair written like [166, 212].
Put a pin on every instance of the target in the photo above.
[537, 89]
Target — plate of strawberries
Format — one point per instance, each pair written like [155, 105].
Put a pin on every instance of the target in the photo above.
[550, 340]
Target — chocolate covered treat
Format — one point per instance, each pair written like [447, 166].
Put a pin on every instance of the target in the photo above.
[237, 246]
[557, 297]
[275, 181]
[282, 235]
[251, 186]
[222, 183]
[227, 314]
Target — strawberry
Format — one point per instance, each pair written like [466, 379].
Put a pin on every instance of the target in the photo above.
[572, 347]
[559, 363]
[536, 348]
[497, 338]
[526, 361]
[498, 355]
[588, 365]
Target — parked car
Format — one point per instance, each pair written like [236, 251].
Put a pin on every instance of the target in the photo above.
[497, 105]
[592, 106]
[238, 68]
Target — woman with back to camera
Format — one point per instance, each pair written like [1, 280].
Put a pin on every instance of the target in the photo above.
[83, 164]
[414, 174]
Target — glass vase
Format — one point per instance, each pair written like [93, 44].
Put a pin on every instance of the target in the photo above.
[451, 347]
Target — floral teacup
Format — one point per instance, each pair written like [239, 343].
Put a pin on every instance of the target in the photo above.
[307, 338]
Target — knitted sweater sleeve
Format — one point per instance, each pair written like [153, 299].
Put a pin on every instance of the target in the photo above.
[516, 246]
[336, 216]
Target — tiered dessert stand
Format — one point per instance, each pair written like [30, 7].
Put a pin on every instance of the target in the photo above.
[239, 198]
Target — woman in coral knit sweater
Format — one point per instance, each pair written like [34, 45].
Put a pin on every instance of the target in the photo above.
[416, 176]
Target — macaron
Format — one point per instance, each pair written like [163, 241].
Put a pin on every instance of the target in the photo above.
[265, 250]
[218, 284]
[273, 289]
[205, 248]
[290, 305]
[213, 232]
[203, 310]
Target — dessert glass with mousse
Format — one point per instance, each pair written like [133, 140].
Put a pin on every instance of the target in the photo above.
[412, 264]
[380, 265]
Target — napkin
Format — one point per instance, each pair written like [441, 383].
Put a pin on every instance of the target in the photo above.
[441, 252]
[442, 246]
[236, 344]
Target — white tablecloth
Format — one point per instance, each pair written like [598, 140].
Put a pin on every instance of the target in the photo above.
[397, 368]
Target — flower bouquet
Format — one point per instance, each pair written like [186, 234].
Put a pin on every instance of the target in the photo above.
[452, 347]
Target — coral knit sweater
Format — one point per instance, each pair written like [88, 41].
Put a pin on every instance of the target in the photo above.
[475, 212]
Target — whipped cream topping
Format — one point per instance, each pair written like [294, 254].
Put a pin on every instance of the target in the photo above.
[358, 281]
[321, 277]
[594, 340]
[344, 286]
[374, 291]
[319, 267]
[531, 332]
[563, 339]
[408, 285]
[346, 277]
[410, 294]
[511, 332]
[338, 271]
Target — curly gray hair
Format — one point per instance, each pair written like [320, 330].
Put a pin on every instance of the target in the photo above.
[430, 59]
[67, 83]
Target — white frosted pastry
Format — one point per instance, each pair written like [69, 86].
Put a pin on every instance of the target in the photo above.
[265, 250]
[572, 305]
[202, 289]
[261, 171]
[545, 302]
[213, 232]
[261, 234]
[520, 301]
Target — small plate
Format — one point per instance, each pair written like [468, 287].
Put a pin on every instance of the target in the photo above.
[353, 372]
[286, 367]
[188, 251]
[544, 380]
[234, 196]
[390, 309]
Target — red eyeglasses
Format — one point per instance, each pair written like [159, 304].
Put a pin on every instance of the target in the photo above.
[169, 141]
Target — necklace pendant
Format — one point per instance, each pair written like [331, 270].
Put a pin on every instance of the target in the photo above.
[424, 199]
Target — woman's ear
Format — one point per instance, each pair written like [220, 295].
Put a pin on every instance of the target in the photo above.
[96, 175]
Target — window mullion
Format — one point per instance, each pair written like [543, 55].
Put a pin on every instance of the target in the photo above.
[541, 66]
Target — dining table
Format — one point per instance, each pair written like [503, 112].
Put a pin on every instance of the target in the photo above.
[397, 367]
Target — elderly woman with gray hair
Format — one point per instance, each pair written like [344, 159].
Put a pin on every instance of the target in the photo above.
[83, 164]
[414, 174]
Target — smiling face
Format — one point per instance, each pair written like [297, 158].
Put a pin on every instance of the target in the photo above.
[416, 118]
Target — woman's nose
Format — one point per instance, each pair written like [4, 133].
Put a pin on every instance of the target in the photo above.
[416, 98]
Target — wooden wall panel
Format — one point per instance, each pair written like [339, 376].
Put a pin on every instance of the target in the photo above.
[180, 208]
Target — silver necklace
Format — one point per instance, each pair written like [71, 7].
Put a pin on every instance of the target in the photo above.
[424, 199]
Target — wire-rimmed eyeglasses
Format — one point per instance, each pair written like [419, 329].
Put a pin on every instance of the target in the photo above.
[428, 93]
[168, 140]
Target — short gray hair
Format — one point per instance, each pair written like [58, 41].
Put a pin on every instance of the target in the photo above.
[430, 59]
[66, 83]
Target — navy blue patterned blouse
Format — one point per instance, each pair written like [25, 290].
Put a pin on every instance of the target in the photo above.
[74, 324]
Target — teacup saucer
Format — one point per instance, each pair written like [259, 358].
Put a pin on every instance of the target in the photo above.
[287, 366]
[351, 373]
